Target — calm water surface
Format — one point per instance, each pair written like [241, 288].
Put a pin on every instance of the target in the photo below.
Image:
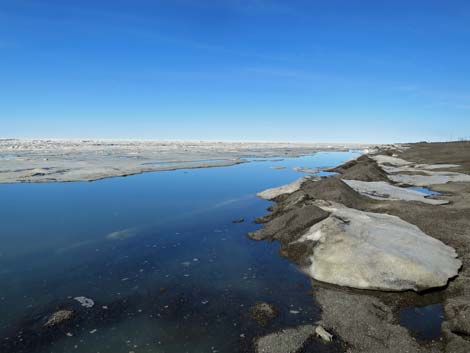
[159, 255]
[423, 321]
[424, 190]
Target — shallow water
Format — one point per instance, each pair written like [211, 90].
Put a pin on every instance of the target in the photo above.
[159, 255]
[424, 190]
[189, 163]
[423, 321]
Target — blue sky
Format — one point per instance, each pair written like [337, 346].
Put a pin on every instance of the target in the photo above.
[366, 71]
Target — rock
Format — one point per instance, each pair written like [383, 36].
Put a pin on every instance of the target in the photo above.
[323, 334]
[263, 313]
[272, 193]
[381, 190]
[59, 317]
[85, 302]
[290, 340]
[377, 251]
[238, 220]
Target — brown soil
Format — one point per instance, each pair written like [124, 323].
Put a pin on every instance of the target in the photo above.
[363, 168]
[367, 320]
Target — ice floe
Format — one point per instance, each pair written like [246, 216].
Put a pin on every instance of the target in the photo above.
[377, 251]
[272, 193]
[381, 190]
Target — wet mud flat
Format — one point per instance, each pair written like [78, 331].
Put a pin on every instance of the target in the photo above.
[434, 319]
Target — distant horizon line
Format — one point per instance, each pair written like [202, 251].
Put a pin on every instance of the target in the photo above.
[81, 139]
[78, 139]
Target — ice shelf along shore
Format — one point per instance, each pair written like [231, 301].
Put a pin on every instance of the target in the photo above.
[87, 160]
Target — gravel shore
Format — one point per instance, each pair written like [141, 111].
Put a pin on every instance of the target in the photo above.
[368, 320]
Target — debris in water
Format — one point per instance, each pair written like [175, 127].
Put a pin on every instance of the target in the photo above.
[86, 302]
[238, 220]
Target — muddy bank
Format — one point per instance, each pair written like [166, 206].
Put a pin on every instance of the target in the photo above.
[88, 160]
[369, 321]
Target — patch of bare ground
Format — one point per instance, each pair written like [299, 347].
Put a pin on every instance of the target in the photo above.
[367, 321]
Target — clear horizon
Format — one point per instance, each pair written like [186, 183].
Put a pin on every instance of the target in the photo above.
[299, 71]
[176, 140]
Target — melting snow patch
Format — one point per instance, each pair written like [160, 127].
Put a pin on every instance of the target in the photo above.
[378, 251]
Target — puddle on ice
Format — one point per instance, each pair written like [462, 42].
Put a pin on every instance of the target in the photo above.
[424, 190]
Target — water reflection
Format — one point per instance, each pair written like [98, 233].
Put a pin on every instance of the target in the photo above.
[159, 255]
[425, 321]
